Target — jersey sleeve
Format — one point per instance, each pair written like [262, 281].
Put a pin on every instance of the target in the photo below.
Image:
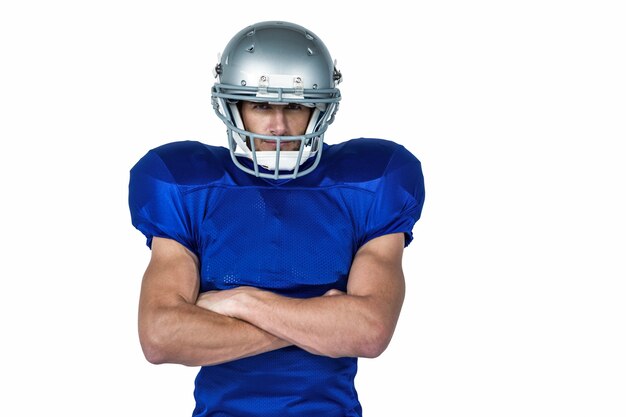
[156, 204]
[399, 198]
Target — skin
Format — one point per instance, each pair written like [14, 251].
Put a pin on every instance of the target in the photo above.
[179, 325]
[357, 323]
[275, 120]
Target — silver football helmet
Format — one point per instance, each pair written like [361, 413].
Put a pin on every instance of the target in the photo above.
[276, 63]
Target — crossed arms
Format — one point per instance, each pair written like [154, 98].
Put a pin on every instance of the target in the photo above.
[179, 325]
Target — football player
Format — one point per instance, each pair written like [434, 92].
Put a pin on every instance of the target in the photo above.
[276, 261]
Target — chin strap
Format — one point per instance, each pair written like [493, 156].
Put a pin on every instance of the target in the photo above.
[287, 159]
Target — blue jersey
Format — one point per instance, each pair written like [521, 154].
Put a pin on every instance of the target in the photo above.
[295, 237]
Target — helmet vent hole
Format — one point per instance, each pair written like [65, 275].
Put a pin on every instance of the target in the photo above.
[250, 48]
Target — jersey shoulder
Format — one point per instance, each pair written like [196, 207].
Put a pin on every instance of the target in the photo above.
[186, 163]
[367, 159]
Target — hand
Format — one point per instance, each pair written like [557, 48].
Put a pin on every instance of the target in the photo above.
[333, 292]
[223, 302]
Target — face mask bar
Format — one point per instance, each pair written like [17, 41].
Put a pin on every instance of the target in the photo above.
[311, 96]
[313, 140]
[310, 143]
[293, 158]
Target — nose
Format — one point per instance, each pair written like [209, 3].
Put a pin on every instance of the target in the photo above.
[278, 122]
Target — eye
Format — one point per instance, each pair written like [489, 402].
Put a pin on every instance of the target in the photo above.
[260, 106]
[294, 106]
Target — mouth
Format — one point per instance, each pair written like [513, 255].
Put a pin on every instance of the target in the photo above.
[270, 145]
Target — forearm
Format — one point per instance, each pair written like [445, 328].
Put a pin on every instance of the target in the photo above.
[217, 326]
[360, 322]
[189, 335]
[335, 326]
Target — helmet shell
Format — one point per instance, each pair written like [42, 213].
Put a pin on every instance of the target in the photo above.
[278, 63]
[272, 54]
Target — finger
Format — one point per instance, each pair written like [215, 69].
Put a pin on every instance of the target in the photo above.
[333, 292]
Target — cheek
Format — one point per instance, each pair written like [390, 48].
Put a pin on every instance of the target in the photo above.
[258, 145]
[302, 123]
[250, 123]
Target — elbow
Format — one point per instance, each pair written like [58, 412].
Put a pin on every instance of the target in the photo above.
[155, 337]
[154, 348]
[375, 342]
[154, 354]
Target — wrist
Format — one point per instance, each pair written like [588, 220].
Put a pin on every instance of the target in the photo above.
[251, 302]
[244, 301]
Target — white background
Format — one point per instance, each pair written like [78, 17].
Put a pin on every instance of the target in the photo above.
[516, 278]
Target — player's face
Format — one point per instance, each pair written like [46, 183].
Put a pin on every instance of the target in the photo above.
[275, 120]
